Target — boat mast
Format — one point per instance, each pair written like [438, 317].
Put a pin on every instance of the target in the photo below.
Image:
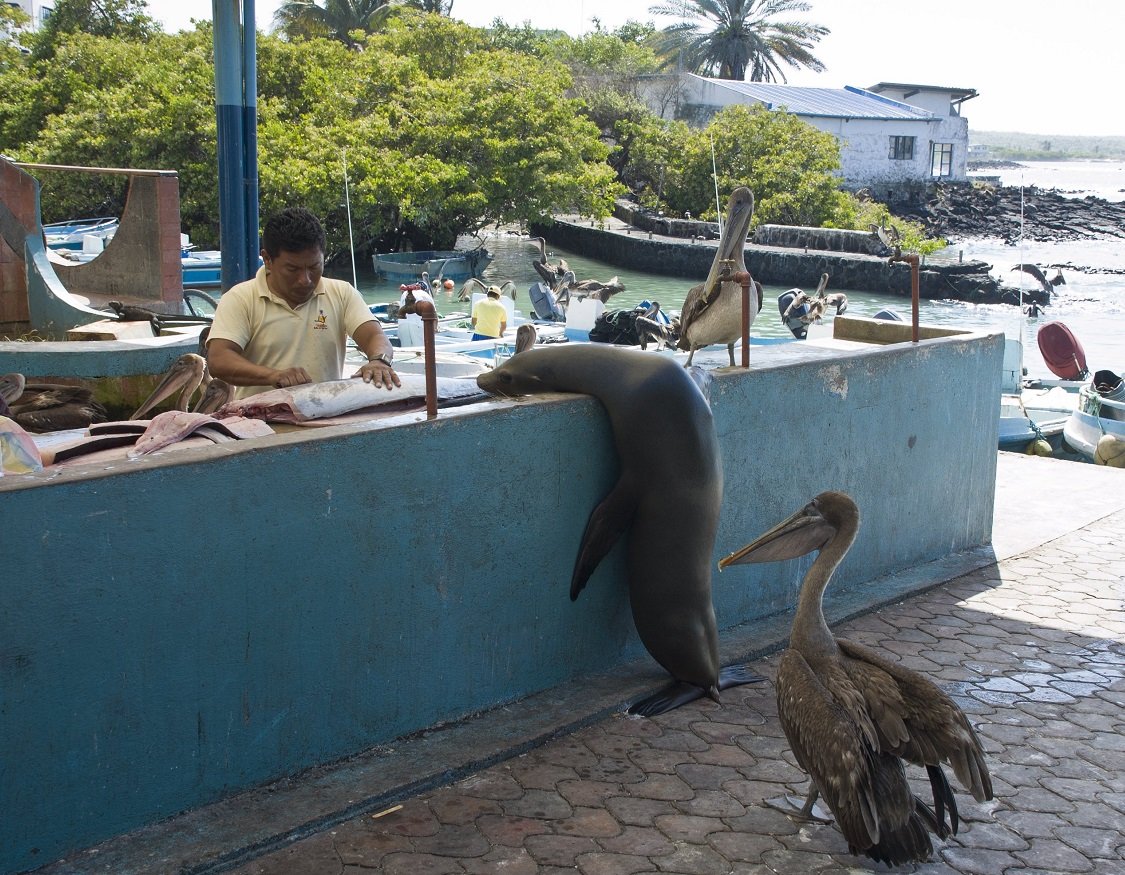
[348, 205]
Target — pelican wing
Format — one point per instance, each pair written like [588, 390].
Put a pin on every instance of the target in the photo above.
[831, 747]
[936, 729]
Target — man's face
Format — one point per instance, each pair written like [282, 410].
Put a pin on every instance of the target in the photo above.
[294, 276]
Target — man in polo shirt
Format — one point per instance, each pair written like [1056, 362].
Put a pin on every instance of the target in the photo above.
[289, 325]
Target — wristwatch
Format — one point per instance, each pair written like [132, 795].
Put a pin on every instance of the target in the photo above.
[382, 357]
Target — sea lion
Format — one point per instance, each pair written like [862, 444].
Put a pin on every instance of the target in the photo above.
[669, 494]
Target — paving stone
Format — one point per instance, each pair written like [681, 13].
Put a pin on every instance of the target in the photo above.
[510, 861]
[712, 803]
[688, 827]
[419, 864]
[639, 840]
[553, 850]
[638, 812]
[978, 861]
[702, 777]
[582, 792]
[693, 860]
[1054, 856]
[1091, 842]
[453, 841]
[510, 831]
[593, 822]
[458, 809]
[603, 863]
[538, 803]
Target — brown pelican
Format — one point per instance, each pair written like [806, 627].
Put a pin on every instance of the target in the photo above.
[473, 285]
[889, 235]
[549, 273]
[526, 336]
[43, 407]
[1048, 285]
[651, 329]
[187, 374]
[596, 289]
[712, 312]
[11, 387]
[853, 717]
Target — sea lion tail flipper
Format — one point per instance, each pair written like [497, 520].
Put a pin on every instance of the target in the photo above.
[737, 675]
[672, 696]
[606, 524]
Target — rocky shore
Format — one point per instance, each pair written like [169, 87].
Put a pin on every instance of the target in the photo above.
[960, 211]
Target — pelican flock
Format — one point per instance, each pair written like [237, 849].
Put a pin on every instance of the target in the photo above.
[853, 718]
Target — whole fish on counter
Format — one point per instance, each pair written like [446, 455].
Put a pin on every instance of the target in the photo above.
[312, 401]
[173, 426]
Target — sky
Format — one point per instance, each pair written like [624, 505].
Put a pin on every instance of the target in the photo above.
[1038, 67]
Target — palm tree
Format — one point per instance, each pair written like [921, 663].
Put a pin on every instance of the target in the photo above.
[336, 19]
[730, 38]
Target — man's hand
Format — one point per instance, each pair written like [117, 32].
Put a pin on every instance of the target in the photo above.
[291, 377]
[379, 375]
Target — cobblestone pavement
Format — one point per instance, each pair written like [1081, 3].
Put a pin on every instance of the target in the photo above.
[1032, 648]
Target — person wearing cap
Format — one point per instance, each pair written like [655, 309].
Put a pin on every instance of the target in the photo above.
[490, 319]
[289, 325]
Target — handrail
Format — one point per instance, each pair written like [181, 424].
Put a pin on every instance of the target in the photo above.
[117, 171]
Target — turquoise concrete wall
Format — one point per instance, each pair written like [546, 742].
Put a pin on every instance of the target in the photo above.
[188, 626]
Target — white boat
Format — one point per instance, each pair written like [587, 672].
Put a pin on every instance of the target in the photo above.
[1032, 410]
[1096, 414]
[69, 235]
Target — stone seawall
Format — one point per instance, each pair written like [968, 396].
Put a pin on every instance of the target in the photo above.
[789, 265]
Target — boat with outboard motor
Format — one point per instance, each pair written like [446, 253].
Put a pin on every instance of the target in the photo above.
[454, 264]
[1100, 411]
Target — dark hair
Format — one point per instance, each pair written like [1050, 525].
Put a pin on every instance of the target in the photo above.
[294, 229]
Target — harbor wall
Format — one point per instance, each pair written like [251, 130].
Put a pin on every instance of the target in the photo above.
[793, 257]
[180, 628]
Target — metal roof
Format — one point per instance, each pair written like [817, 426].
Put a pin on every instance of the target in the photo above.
[847, 102]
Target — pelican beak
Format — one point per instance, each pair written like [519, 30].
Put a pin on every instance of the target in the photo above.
[215, 396]
[800, 534]
[185, 374]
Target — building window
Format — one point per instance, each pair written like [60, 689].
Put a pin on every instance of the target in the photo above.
[941, 159]
[902, 148]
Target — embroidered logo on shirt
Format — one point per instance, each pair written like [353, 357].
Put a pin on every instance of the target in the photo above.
[321, 323]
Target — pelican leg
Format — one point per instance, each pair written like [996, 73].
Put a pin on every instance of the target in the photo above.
[809, 812]
[730, 352]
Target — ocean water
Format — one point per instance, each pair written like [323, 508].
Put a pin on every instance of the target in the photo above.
[1091, 303]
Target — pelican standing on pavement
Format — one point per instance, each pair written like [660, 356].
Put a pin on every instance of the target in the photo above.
[712, 312]
[853, 717]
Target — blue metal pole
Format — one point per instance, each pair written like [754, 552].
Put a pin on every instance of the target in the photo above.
[250, 133]
[228, 117]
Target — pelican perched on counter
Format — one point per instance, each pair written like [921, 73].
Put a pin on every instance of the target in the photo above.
[853, 717]
[43, 407]
[187, 374]
[712, 312]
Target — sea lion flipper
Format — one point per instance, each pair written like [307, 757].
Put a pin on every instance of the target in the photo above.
[672, 696]
[736, 675]
[606, 524]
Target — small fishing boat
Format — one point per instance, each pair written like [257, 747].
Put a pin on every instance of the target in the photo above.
[453, 264]
[69, 234]
[1100, 411]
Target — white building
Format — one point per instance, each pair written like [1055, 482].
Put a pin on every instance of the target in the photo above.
[894, 138]
[37, 10]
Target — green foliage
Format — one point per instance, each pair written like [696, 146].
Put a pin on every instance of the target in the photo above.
[735, 38]
[123, 19]
[343, 20]
[864, 214]
[786, 163]
[443, 134]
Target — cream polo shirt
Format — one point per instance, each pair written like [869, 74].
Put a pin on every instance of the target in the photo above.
[274, 335]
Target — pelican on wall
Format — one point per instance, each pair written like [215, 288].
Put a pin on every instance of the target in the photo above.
[712, 312]
[43, 407]
[187, 374]
[854, 717]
